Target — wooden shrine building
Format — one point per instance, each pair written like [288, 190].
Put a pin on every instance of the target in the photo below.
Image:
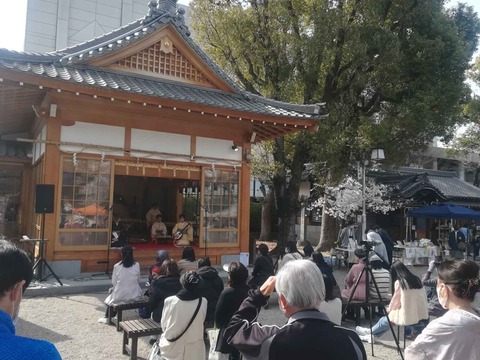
[136, 116]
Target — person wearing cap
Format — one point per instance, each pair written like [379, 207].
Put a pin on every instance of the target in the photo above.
[182, 321]
[308, 333]
[353, 275]
[230, 300]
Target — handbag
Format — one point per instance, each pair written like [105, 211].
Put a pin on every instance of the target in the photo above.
[213, 338]
[156, 353]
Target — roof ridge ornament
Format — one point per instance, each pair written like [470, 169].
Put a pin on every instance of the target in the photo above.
[159, 8]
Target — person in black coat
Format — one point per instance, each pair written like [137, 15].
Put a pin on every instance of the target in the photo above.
[230, 300]
[263, 267]
[210, 287]
[166, 284]
[327, 272]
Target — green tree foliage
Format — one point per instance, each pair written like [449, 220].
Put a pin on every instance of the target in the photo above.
[391, 73]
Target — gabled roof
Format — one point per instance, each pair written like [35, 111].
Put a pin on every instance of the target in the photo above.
[407, 182]
[72, 65]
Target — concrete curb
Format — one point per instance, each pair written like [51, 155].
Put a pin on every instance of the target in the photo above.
[83, 284]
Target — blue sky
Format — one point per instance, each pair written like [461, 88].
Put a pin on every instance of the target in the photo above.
[13, 14]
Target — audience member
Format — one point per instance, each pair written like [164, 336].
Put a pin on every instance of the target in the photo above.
[430, 284]
[263, 267]
[166, 284]
[15, 276]
[188, 262]
[182, 321]
[327, 271]
[308, 249]
[332, 306]
[161, 256]
[352, 277]
[230, 300]
[308, 334]
[291, 253]
[408, 305]
[125, 278]
[456, 334]
[382, 278]
[210, 287]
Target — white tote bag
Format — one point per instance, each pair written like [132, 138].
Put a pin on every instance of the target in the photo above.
[212, 338]
[155, 353]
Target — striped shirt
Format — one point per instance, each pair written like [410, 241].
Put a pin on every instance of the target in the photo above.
[382, 278]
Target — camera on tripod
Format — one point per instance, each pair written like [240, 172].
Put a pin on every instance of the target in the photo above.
[368, 244]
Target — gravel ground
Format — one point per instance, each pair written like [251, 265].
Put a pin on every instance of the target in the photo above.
[70, 322]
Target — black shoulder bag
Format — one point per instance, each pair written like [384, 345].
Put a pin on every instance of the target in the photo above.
[190, 323]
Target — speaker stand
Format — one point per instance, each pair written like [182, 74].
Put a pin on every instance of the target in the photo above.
[41, 260]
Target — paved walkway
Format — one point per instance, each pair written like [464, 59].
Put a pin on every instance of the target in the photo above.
[67, 316]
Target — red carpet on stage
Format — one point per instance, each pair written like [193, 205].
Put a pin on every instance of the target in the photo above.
[157, 247]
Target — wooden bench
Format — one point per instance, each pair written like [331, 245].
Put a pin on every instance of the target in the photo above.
[357, 306]
[134, 329]
[126, 305]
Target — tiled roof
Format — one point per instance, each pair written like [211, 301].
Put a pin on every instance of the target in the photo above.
[407, 182]
[165, 89]
[69, 65]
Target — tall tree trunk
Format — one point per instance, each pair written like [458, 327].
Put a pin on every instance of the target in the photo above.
[266, 225]
[328, 234]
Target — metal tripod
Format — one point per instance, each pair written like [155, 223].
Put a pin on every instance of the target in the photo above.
[367, 270]
[41, 260]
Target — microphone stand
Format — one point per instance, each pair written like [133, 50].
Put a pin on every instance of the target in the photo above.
[205, 212]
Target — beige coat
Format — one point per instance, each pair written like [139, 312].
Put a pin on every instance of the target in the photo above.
[413, 306]
[175, 318]
[125, 283]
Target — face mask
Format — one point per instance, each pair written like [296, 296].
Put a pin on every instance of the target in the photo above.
[16, 311]
[442, 300]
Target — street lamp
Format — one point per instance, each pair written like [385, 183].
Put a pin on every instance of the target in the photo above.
[377, 155]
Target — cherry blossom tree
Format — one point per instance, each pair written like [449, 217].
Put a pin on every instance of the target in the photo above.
[345, 199]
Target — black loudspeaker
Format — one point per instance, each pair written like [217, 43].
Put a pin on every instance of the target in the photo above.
[44, 198]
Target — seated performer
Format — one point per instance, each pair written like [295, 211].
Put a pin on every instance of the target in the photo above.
[182, 232]
[159, 230]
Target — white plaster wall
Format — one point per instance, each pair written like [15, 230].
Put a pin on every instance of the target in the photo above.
[56, 24]
[160, 142]
[92, 134]
[215, 148]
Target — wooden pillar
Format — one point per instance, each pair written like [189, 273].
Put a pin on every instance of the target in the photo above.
[51, 176]
[245, 202]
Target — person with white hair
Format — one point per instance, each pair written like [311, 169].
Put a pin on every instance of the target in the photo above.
[307, 335]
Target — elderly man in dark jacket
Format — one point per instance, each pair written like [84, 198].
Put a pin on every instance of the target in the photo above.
[308, 334]
[210, 287]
